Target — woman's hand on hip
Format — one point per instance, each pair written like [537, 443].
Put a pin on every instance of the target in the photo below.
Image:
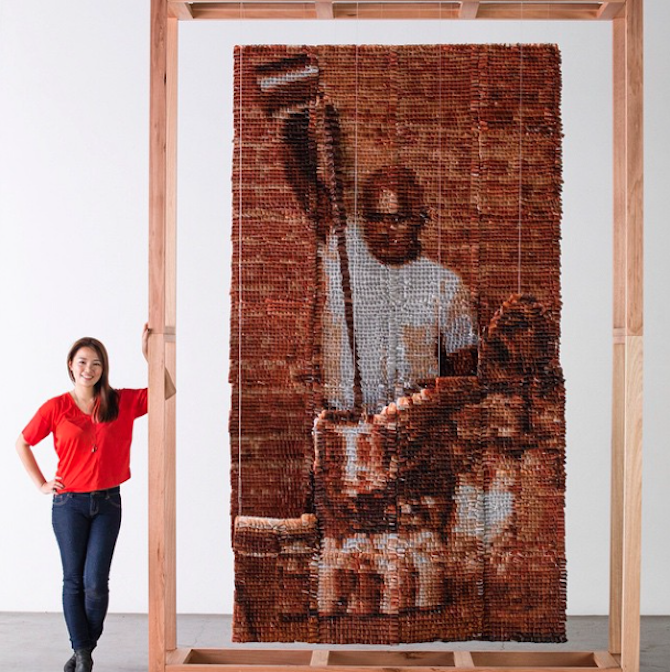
[52, 487]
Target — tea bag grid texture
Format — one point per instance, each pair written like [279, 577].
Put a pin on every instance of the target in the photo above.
[397, 423]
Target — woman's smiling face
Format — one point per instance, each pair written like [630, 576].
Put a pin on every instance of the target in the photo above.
[86, 367]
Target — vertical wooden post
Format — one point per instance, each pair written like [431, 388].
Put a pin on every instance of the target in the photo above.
[162, 322]
[619, 332]
[627, 341]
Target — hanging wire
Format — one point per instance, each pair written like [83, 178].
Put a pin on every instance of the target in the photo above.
[521, 121]
[239, 285]
[440, 163]
[355, 217]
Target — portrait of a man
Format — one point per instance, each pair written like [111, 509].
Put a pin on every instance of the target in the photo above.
[397, 424]
[410, 313]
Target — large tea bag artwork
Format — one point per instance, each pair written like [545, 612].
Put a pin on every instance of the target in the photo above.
[397, 424]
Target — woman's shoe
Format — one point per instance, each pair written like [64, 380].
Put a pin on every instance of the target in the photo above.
[71, 663]
[83, 660]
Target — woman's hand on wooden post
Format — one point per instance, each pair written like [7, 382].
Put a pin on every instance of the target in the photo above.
[145, 340]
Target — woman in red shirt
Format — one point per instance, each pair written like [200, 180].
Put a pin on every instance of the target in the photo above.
[92, 428]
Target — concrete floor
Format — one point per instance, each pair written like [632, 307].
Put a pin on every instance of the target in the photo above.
[38, 642]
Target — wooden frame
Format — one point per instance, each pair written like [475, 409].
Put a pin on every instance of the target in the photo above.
[626, 513]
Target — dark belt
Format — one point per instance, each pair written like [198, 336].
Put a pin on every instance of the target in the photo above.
[100, 493]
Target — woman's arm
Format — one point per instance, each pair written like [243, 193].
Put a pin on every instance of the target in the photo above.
[32, 468]
[170, 389]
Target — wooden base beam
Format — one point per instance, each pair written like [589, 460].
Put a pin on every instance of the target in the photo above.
[339, 660]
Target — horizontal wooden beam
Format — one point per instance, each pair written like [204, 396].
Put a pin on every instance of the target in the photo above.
[538, 11]
[324, 9]
[395, 10]
[324, 660]
[597, 5]
[218, 667]
[605, 660]
[254, 10]
[468, 10]
[610, 10]
[532, 10]
[320, 658]
[463, 659]
[180, 10]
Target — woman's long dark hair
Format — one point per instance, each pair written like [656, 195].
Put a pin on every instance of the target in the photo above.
[106, 404]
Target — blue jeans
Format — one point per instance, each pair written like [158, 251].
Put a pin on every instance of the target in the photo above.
[86, 526]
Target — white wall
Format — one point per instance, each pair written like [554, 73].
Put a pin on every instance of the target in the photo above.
[73, 261]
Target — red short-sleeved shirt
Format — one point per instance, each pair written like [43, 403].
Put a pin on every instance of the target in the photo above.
[91, 455]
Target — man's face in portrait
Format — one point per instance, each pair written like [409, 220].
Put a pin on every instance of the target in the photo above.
[393, 216]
